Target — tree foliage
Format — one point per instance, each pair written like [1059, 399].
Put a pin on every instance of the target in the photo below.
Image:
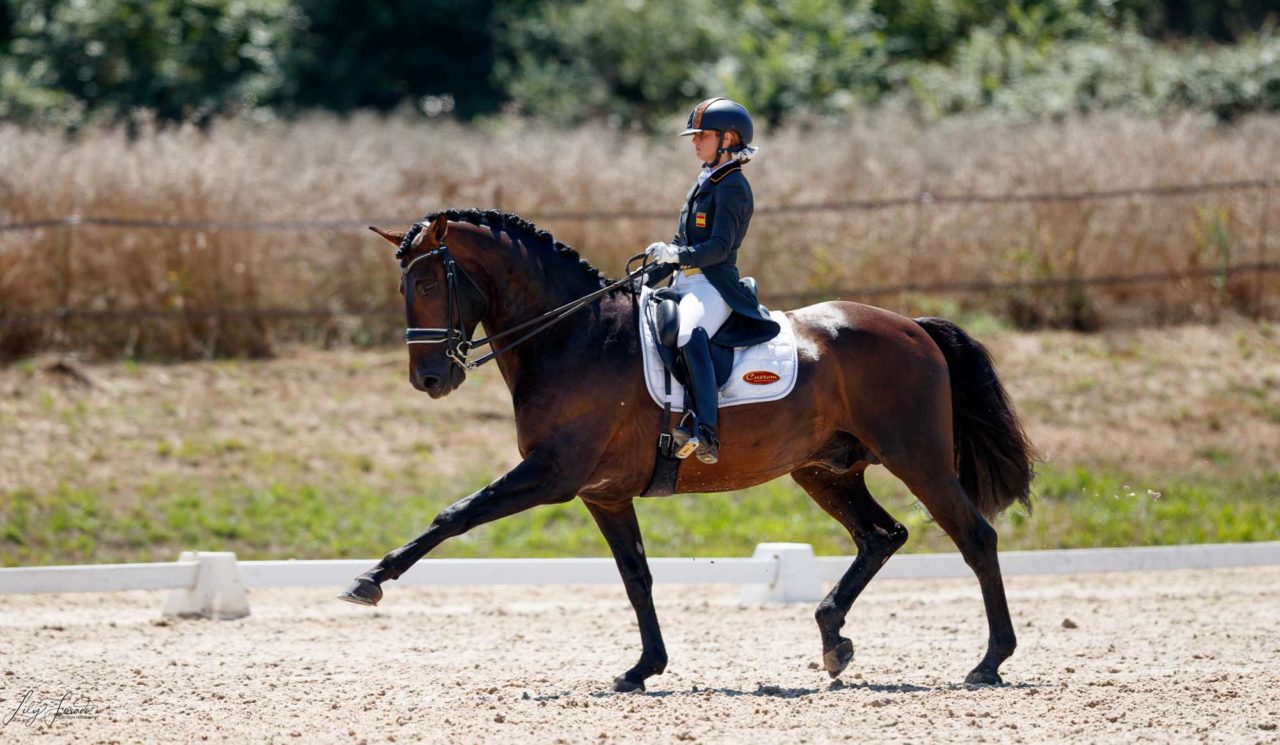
[183, 59]
[789, 55]
[379, 55]
[1027, 58]
[634, 62]
[628, 61]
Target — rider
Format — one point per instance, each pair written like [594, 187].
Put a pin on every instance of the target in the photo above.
[703, 257]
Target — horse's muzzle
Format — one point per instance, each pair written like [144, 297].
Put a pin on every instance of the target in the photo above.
[438, 385]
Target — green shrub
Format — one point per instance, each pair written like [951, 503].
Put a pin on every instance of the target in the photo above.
[1121, 71]
[633, 62]
[182, 59]
[636, 62]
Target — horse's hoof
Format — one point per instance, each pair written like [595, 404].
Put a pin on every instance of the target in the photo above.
[981, 677]
[838, 657]
[622, 685]
[362, 592]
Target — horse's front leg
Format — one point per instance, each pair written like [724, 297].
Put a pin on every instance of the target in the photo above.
[538, 480]
[620, 528]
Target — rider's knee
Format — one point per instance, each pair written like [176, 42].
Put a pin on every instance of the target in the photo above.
[687, 335]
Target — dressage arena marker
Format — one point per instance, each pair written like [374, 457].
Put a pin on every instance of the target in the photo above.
[214, 585]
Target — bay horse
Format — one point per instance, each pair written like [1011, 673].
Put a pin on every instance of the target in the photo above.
[919, 396]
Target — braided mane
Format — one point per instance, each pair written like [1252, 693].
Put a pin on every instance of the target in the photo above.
[515, 226]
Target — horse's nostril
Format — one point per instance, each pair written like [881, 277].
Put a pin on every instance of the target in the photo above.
[428, 382]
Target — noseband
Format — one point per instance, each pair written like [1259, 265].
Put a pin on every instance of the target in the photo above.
[454, 336]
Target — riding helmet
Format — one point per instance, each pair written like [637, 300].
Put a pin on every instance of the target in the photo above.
[723, 115]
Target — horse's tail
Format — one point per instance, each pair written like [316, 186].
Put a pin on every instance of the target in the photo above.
[994, 458]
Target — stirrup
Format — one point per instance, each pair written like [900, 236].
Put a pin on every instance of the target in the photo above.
[686, 442]
[688, 448]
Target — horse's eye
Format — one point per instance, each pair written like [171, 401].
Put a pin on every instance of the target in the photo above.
[425, 288]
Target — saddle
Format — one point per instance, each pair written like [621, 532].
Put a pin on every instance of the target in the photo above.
[744, 375]
[664, 315]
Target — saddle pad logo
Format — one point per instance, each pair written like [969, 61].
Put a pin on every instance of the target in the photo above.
[700, 220]
[760, 377]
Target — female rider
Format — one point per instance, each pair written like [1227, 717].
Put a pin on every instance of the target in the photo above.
[704, 259]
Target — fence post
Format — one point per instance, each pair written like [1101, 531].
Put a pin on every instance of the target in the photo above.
[1259, 276]
[67, 285]
[920, 216]
[218, 592]
[798, 579]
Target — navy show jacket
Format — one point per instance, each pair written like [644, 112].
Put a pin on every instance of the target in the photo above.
[713, 223]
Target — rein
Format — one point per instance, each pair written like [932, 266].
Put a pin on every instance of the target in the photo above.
[455, 335]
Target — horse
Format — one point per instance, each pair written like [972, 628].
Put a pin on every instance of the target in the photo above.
[920, 397]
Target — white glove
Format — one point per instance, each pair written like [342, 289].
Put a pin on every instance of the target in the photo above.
[662, 253]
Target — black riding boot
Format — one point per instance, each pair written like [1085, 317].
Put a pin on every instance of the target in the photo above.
[703, 393]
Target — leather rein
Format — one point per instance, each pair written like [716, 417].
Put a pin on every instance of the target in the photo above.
[455, 337]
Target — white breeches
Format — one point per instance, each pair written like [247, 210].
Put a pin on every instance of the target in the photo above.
[700, 305]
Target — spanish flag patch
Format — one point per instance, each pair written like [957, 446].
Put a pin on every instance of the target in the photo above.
[700, 220]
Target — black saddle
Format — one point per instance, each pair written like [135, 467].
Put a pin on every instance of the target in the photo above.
[662, 313]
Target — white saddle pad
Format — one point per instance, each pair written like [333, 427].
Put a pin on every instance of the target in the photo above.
[764, 372]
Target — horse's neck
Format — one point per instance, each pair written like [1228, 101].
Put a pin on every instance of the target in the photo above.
[552, 365]
[520, 290]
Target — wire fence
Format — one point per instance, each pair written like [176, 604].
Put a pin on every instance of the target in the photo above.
[921, 200]
[63, 315]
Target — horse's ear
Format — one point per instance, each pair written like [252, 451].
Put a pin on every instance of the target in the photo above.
[434, 234]
[394, 237]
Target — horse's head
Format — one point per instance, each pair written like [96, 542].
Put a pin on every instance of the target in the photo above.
[443, 306]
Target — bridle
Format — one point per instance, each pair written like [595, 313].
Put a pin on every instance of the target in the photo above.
[455, 337]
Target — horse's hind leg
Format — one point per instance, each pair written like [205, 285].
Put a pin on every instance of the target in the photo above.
[844, 496]
[953, 511]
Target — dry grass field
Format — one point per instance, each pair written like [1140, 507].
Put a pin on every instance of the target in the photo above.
[1151, 436]
[395, 170]
[276, 447]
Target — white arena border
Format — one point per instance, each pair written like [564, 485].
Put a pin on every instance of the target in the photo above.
[214, 584]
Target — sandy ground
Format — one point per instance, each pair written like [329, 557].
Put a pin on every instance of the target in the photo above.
[1164, 657]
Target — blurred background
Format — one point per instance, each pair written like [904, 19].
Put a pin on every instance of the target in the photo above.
[196, 331]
